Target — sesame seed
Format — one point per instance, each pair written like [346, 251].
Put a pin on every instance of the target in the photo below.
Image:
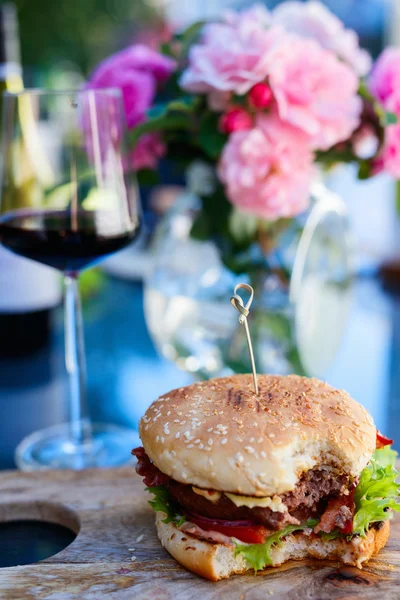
[224, 441]
[146, 427]
[201, 446]
[178, 435]
[173, 452]
[133, 558]
[187, 434]
[140, 537]
[157, 438]
[190, 446]
[249, 449]
[210, 430]
[176, 421]
[210, 442]
[251, 440]
[263, 454]
[184, 476]
[197, 441]
[271, 435]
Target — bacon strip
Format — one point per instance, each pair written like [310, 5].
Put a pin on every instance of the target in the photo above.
[338, 514]
[152, 476]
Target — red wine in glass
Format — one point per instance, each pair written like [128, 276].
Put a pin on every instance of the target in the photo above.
[69, 199]
[61, 241]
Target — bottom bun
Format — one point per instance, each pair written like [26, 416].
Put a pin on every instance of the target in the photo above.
[215, 560]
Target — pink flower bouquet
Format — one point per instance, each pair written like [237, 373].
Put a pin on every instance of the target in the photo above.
[260, 97]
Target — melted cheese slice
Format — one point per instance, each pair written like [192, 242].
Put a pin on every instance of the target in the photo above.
[275, 503]
[212, 497]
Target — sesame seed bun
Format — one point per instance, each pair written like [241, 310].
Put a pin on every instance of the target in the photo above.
[219, 435]
[215, 561]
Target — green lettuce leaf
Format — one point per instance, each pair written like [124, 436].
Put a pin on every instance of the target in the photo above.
[162, 503]
[258, 555]
[377, 491]
[326, 537]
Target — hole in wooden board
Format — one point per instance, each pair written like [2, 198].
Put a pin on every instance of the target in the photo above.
[33, 531]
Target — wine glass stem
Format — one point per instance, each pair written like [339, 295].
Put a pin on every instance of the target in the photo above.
[80, 427]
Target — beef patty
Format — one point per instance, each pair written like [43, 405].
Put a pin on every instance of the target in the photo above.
[308, 499]
[303, 502]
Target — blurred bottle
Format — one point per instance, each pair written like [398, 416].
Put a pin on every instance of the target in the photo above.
[27, 291]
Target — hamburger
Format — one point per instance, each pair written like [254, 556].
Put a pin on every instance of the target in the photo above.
[243, 482]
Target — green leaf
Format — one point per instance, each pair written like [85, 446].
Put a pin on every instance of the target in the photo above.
[157, 111]
[389, 118]
[364, 170]
[167, 50]
[200, 229]
[162, 503]
[189, 36]
[377, 492]
[171, 116]
[330, 536]
[364, 92]
[184, 104]
[210, 139]
[147, 177]
[258, 555]
[242, 227]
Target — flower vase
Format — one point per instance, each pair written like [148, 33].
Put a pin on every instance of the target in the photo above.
[302, 293]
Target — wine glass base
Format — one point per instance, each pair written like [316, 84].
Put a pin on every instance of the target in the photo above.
[52, 448]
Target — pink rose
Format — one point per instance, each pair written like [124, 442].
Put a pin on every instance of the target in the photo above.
[232, 57]
[148, 150]
[384, 82]
[314, 91]
[136, 71]
[389, 158]
[268, 170]
[313, 20]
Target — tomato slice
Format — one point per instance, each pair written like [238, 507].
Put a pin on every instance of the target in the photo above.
[245, 531]
[382, 440]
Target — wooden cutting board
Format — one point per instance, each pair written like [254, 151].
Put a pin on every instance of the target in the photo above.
[111, 507]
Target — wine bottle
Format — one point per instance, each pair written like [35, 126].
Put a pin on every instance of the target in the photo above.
[27, 291]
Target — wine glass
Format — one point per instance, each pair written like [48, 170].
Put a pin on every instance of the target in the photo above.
[67, 202]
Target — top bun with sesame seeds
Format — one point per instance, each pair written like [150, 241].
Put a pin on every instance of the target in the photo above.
[220, 435]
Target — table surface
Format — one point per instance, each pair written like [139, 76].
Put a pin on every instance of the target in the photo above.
[108, 510]
[122, 363]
